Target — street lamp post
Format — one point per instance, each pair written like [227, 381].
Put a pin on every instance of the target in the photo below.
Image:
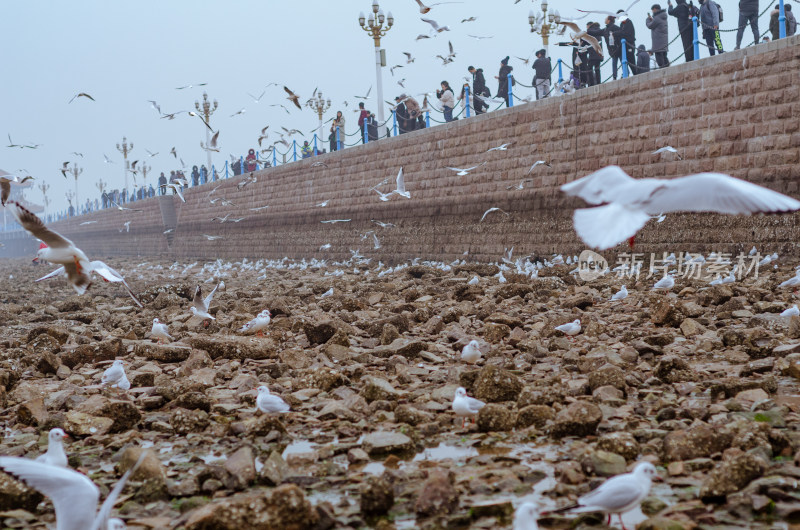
[76, 171]
[320, 105]
[125, 149]
[375, 28]
[70, 195]
[145, 169]
[543, 25]
[207, 108]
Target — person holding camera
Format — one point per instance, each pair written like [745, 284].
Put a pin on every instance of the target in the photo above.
[447, 99]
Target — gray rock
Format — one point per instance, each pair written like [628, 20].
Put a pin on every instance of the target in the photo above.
[438, 495]
[603, 463]
[622, 443]
[578, 419]
[494, 384]
[283, 507]
[536, 415]
[731, 476]
[15, 495]
[242, 467]
[408, 348]
[383, 442]
[376, 389]
[494, 417]
[377, 496]
[275, 470]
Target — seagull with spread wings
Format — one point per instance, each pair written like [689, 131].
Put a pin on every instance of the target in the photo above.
[462, 172]
[200, 305]
[81, 95]
[74, 496]
[582, 34]
[623, 205]
[435, 25]
[426, 9]
[104, 271]
[621, 14]
[59, 249]
[190, 86]
[294, 98]
[5, 187]
[400, 188]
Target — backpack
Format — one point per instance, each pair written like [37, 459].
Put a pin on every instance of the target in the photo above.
[719, 9]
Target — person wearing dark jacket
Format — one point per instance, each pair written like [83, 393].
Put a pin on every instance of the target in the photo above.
[195, 176]
[541, 76]
[659, 32]
[611, 35]
[628, 32]
[502, 79]
[775, 24]
[642, 60]
[709, 21]
[372, 128]
[162, 184]
[748, 13]
[401, 114]
[479, 90]
[684, 16]
[594, 59]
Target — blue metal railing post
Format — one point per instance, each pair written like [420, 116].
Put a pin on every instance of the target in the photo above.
[560, 76]
[294, 150]
[257, 164]
[510, 92]
[315, 145]
[274, 157]
[241, 165]
[364, 132]
[394, 122]
[781, 20]
[696, 40]
[466, 98]
[427, 119]
[338, 141]
[624, 48]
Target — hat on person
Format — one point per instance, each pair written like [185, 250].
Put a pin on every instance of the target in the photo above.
[541, 52]
[656, 7]
[361, 104]
[641, 47]
[504, 62]
[470, 67]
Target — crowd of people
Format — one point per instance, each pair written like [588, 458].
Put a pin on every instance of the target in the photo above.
[585, 71]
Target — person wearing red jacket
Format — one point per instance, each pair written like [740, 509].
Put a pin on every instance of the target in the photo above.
[362, 118]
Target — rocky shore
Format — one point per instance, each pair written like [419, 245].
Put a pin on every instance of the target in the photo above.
[703, 381]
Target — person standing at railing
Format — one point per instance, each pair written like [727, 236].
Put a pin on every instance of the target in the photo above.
[447, 99]
[203, 174]
[339, 122]
[748, 14]
[709, 22]
[479, 90]
[305, 150]
[151, 192]
[774, 22]
[372, 127]
[659, 32]
[593, 57]
[628, 32]
[362, 117]
[250, 161]
[541, 74]
[611, 35]
[642, 60]
[683, 13]
[502, 79]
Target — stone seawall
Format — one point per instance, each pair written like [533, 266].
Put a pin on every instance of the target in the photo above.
[738, 113]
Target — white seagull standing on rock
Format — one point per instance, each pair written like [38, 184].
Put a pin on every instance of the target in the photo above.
[526, 516]
[570, 329]
[258, 324]
[622, 294]
[626, 204]
[74, 496]
[115, 376]
[791, 312]
[666, 283]
[55, 455]
[270, 403]
[160, 331]
[465, 406]
[617, 495]
[471, 352]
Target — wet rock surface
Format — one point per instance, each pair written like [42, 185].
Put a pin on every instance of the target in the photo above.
[702, 381]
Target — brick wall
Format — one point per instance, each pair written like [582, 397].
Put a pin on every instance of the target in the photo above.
[737, 113]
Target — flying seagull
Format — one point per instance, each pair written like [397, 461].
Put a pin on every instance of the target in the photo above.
[73, 494]
[81, 95]
[537, 163]
[625, 204]
[668, 149]
[490, 210]
[294, 98]
[462, 172]
[622, 14]
[582, 34]
[5, 187]
[426, 9]
[435, 25]
[190, 86]
[104, 271]
[400, 189]
[257, 99]
[503, 147]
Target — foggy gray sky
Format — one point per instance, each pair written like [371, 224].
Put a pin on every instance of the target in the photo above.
[124, 54]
